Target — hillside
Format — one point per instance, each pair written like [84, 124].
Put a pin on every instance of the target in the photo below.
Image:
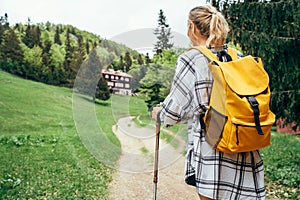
[53, 53]
[41, 153]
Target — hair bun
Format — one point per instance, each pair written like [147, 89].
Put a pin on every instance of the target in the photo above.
[210, 22]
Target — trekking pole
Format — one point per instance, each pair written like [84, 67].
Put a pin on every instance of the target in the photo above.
[155, 176]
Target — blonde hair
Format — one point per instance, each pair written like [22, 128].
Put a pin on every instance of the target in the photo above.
[210, 23]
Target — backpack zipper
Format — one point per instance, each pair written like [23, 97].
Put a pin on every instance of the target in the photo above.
[237, 134]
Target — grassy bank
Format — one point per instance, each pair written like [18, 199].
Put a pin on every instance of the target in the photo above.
[42, 156]
[282, 166]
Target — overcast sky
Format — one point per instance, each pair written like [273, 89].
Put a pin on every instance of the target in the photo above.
[106, 18]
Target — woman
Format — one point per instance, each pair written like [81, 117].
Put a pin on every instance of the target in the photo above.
[216, 175]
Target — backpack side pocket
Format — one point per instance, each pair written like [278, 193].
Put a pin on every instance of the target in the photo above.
[214, 125]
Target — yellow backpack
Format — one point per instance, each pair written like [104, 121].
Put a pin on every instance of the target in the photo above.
[238, 118]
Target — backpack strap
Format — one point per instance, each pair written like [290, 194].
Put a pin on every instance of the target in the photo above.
[206, 52]
[254, 105]
[233, 53]
[212, 57]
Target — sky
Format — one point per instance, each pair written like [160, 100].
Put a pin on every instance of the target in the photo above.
[109, 19]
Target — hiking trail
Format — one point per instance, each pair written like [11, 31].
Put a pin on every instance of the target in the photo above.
[133, 178]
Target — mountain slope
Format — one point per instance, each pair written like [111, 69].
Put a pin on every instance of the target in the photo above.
[41, 154]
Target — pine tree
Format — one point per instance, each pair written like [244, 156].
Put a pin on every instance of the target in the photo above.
[163, 34]
[77, 58]
[28, 38]
[57, 36]
[69, 49]
[147, 59]
[46, 53]
[89, 75]
[95, 44]
[4, 25]
[68, 58]
[140, 60]
[32, 36]
[48, 26]
[87, 47]
[37, 36]
[4, 21]
[102, 91]
[46, 59]
[17, 27]
[127, 61]
[81, 48]
[121, 63]
[11, 54]
[153, 95]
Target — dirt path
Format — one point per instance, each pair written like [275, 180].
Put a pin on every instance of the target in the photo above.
[134, 178]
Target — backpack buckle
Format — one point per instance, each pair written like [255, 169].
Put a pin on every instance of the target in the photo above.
[253, 102]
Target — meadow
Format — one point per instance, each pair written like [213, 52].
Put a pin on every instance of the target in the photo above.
[43, 156]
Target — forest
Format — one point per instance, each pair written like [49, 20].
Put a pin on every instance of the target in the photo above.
[53, 53]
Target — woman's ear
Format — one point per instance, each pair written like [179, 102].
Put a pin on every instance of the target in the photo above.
[192, 32]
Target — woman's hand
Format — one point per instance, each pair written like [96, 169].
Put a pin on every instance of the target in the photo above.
[155, 110]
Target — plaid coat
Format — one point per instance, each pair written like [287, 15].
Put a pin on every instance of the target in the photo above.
[215, 174]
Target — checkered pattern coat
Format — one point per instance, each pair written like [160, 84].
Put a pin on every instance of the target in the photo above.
[215, 174]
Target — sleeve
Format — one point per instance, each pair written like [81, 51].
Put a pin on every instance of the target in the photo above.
[177, 105]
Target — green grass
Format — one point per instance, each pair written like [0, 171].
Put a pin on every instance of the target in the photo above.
[169, 139]
[144, 150]
[282, 166]
[139, 123]
[42, 156]
[139, 109]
